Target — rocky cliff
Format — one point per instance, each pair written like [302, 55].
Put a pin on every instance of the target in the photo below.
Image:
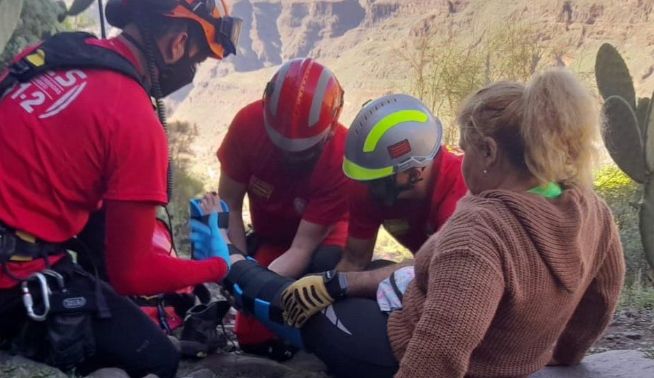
[367, 44]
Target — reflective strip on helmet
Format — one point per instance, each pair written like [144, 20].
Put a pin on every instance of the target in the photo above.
[319, 97]
[390, 121]
[277, 89]
[294, 144]
[357, 172]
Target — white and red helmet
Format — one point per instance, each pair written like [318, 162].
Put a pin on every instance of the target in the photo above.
[302, 103]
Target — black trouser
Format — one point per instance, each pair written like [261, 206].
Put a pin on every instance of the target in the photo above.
[324, 258]
[128, 339]
[350, 336]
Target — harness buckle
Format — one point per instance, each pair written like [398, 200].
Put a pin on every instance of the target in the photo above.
[28, 300]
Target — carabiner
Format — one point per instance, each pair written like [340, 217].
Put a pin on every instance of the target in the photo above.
[28, 301]
[58, 277]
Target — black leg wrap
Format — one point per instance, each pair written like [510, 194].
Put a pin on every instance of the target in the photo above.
[249, 282]
[258, 291]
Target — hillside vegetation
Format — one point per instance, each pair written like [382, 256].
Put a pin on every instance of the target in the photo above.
[371, 45]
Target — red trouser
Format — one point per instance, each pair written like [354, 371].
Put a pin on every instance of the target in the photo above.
[247, 329]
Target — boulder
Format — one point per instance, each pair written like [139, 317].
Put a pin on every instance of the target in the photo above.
[611, 364]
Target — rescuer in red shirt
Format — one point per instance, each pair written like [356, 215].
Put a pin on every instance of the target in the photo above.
[403, 178]
[285, 152]
[77, 128]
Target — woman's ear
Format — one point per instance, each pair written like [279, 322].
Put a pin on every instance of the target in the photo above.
[489, 150]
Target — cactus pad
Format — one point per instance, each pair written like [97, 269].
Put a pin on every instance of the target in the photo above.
[642, 111]
[623, 139]
[648, 141]
[647, 222]
[612, 75]
[79, 6]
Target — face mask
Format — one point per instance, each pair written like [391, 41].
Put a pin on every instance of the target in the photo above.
[171, 76]
[176, 75]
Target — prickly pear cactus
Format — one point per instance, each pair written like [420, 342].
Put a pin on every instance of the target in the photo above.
[77, 7]
[649, 140]
[647, 204]
[612, 75]
[624, 141]
[642, 112]
[9, 16]
[629, 133]
[647, 222]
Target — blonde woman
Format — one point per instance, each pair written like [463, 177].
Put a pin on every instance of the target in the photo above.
[529, 269]
[526, 272]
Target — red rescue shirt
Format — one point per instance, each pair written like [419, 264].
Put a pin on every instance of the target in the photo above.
[70, 139]
[279, 199]
[410, 221]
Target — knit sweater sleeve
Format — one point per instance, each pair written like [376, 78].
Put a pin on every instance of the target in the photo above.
[463, 293]
[596, 307]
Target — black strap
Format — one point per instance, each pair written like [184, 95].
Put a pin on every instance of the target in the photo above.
[66, 51]
[256, 282]
[223, 219]
[12, 245]
[395, 288]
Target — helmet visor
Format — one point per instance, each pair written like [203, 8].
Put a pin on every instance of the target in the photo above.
[227, 29]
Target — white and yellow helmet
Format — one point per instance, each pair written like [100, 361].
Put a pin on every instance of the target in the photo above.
[389, 135]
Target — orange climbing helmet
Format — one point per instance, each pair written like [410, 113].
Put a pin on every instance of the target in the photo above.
[221, 30]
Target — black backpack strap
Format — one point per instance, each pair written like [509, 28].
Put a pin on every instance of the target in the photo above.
[64, 51]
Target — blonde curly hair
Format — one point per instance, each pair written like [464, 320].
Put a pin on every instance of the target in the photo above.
[549, 128]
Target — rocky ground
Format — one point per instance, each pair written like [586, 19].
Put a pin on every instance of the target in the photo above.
[625, 351]
[631, 329]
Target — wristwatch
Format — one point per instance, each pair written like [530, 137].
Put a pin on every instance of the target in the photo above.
[335, 283]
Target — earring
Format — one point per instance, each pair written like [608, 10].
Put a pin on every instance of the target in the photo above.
[485, 171]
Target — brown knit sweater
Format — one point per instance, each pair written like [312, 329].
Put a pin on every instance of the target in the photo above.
[510, 282]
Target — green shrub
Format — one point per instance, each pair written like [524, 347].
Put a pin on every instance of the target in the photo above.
[181, 136]
[622, 195]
